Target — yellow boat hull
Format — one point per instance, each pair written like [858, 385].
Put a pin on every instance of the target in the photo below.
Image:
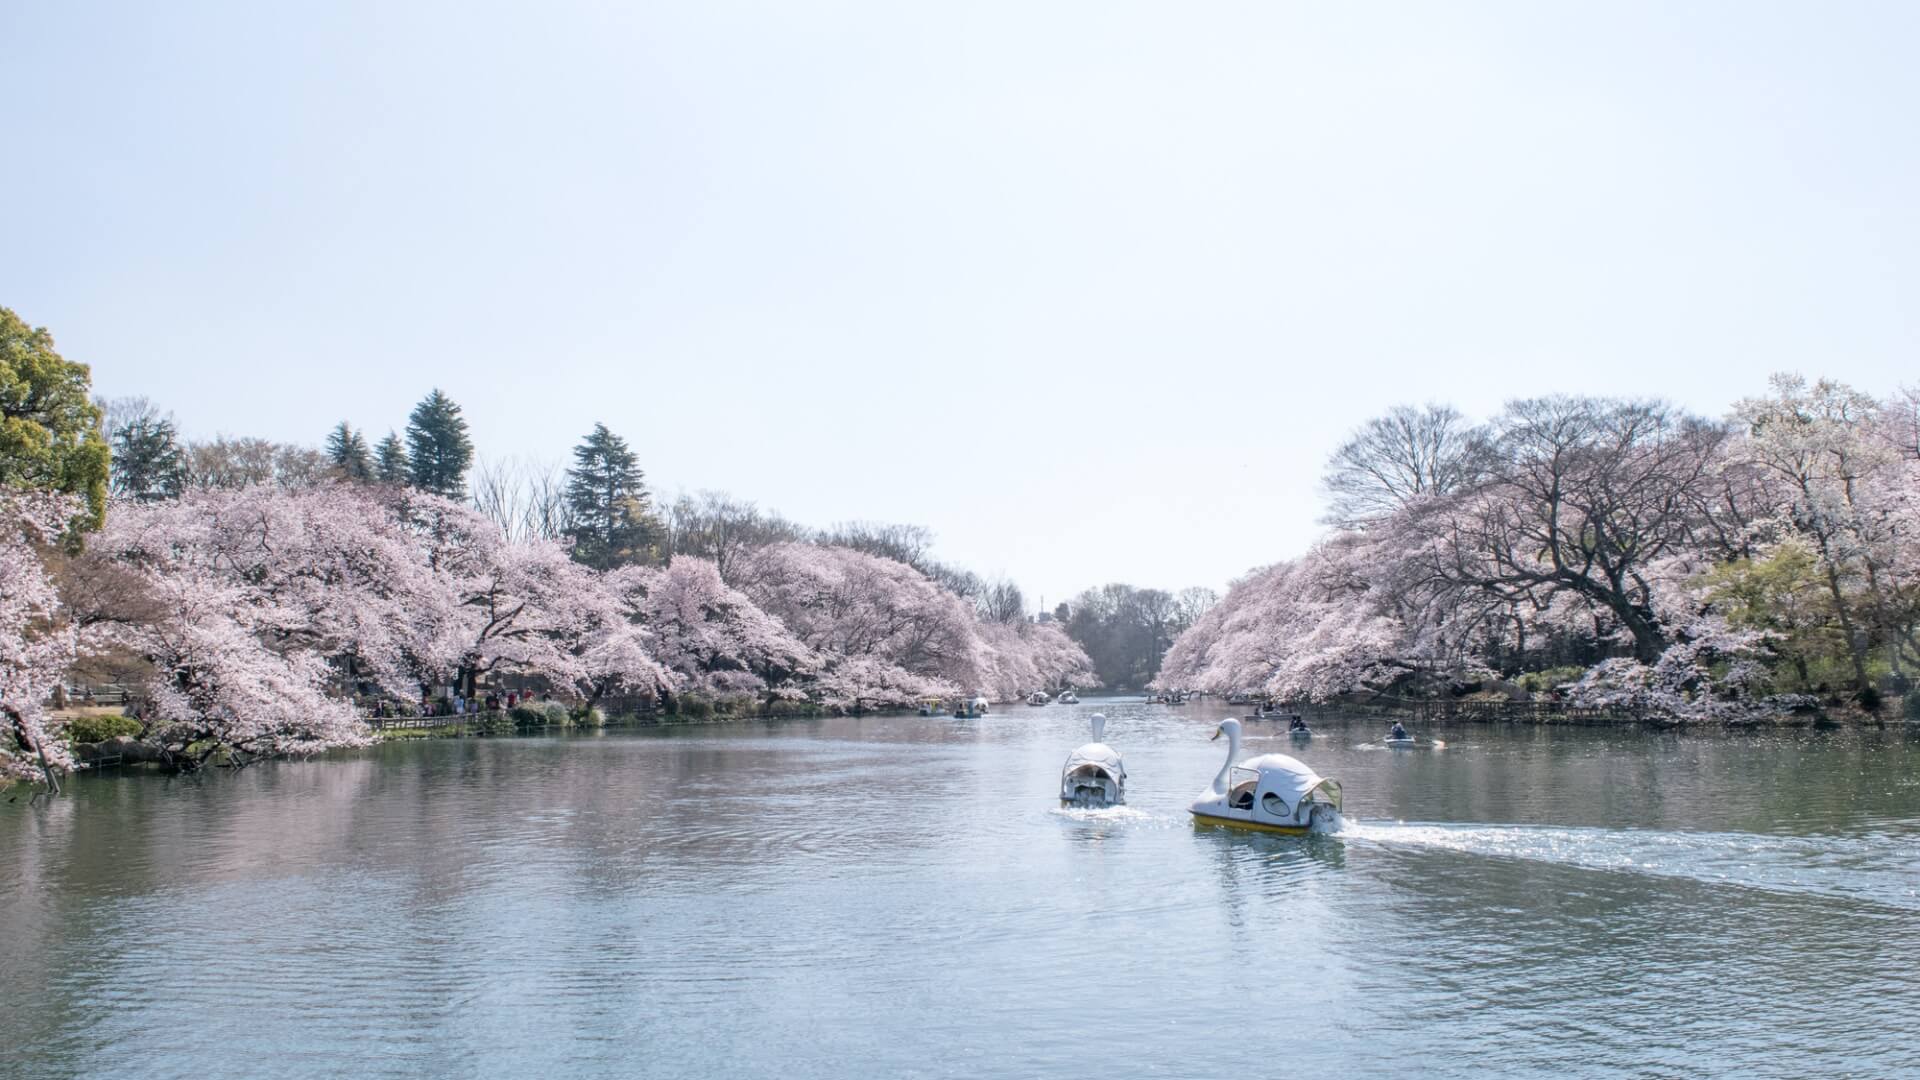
[1256, 826]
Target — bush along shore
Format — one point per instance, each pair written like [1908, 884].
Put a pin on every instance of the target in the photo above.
[110, 739]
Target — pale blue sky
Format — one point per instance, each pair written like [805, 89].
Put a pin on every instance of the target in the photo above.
[1090, 289]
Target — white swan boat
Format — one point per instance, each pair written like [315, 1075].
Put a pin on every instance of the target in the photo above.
[1269, 793]
[1038, 697]
[1094, 774]
[1067, 697]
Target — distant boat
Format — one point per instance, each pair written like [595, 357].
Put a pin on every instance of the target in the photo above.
[1038, 697]
[1067, 698]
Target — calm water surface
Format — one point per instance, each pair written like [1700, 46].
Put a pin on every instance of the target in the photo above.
[901, 897]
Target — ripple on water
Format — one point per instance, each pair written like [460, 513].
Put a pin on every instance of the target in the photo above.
[1868, 869]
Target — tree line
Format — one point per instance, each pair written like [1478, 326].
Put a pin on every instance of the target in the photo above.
[601, 506]
[260, 597]
[1613, 552]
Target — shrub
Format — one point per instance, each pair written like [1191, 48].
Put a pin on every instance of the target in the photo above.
[1540, 682]
[557, 715]
[1869, 699]
[1913, 706]
[527, 716]
[101, 727]
[492, 723]
[694, 708]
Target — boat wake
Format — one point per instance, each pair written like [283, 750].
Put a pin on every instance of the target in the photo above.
[1875, 868]
[1103, 814]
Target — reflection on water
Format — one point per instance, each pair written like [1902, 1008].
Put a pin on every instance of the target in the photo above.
[905, 897]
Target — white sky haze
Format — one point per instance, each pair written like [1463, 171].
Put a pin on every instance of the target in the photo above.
[1090, 289]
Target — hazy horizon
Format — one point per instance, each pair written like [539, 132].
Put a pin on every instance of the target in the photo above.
[1089, 290]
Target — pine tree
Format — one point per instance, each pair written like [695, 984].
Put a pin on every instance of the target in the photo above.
[390, 464]
[608, 502]
[438, 449]
[347, 449]
[148, 463]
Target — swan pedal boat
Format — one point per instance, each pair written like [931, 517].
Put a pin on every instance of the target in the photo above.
[1067, 697]
[1094, 775]
[1270, 793]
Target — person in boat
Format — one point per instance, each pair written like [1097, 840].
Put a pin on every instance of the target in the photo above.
[1398, 732]
[1298, 723]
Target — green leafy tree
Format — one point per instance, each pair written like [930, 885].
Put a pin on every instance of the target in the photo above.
[1784, 594]
[148, 461]
[50, 437]
[390, 464]
[347, 449]
[438, 449]
[607, 502]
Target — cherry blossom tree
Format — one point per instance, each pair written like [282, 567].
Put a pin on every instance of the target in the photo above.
[1021, 657]
[711, 635]
[1582, 495]
[36, 639]
[257, 611]
[1310, 629]
[238, 602]
[1057, 658]
[523, 607]
[885, 633]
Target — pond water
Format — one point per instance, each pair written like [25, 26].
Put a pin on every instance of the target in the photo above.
[902, 897]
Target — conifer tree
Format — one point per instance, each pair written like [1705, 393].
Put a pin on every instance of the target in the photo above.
[347, 449]
[148, 462]
[607, 500]
[438, 449]
[390, 464]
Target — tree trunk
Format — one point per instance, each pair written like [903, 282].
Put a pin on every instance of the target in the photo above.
[27, 742]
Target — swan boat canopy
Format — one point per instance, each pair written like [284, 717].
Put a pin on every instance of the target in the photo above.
[1038, 697]
[1270, 793]
[1067, 697]
[1094, 774]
